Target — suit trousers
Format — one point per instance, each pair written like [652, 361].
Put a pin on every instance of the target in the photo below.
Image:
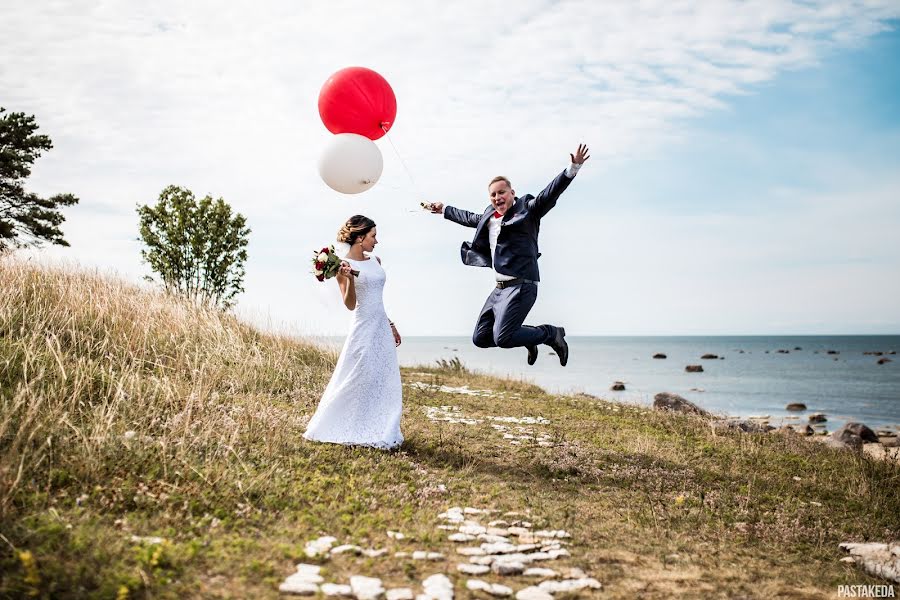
[502, 316]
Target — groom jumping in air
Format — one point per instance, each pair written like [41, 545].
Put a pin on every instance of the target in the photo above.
[506, 238]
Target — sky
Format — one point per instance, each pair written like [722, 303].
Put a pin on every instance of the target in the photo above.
[744, 177]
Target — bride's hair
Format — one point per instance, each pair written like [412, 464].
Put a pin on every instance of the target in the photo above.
[356, 227]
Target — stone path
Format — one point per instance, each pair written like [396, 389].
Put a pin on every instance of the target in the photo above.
[519, 559]
[513, 430]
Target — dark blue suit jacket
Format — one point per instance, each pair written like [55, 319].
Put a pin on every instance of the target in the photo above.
[517, 245]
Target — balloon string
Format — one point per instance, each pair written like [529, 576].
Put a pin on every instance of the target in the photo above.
[402, 162]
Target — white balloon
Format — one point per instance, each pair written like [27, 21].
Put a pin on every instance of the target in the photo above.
[351, 163]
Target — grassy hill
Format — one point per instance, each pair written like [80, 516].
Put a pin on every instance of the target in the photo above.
[126, 416]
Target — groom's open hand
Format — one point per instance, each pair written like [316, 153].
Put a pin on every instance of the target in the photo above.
[581, 155]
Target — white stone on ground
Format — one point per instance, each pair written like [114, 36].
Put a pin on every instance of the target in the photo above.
[533, 593]
[401, 554]
[439, 587]
[476, 511]
[552, 534]
[575, 573]
[569, 585]
[299, 585]
[498, 524]
[518, 531]
[472, 529]
[880, 560]
[319, 547]
[554, 554]
[366, 588]
[306, 574]
[470, 569]
[460, 537]
[539, 556]
[507, 568]
[399, 594]
[448, 527]
[494, 589]
[395, 535]
[539, 572]
[493, 539]
[470, 551]
[482, 560]
[373, 553]
[423, 555]
[498, 548]
[150, 539]
[346, 548]
[336, 590]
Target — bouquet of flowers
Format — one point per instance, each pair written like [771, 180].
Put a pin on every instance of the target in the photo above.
[326, 264]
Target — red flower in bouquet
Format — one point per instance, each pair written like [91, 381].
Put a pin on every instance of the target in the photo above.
[326, 264]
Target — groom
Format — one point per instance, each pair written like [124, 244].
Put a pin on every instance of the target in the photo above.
[506, 238]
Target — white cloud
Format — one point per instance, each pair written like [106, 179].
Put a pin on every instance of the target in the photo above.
[221, 98]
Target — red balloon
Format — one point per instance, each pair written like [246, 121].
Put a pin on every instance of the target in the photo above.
[357, 100]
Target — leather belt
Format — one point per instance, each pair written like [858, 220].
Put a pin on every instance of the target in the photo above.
[512, 282]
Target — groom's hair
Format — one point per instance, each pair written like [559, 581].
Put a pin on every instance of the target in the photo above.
[356, 227]
[500, 178]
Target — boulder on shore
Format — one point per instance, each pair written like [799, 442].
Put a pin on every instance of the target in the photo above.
[694, 368]
[817, 418]
[659, 355]
[795, 406]
[675, 403]
[854, 435]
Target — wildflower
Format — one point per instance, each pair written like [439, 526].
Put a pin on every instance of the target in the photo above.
[32, 578]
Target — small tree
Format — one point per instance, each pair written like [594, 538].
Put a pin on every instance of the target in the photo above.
[197, 249]
[26, 219]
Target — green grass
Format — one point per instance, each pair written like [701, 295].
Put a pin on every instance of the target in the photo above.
[658, 505]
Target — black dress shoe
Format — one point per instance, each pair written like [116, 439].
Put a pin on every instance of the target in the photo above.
[559, 344]
[532, 354]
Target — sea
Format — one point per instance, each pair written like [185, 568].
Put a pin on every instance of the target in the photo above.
[753, 376]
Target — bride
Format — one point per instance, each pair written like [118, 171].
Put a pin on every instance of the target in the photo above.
[363, 401]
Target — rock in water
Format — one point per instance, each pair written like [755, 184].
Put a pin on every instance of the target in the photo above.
[709, 356]
[817, 418]
[675, 403]
[659, 355]
[854, 435]
[795, 406]
[618, 387]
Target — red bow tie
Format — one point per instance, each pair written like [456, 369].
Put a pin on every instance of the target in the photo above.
[497, 215]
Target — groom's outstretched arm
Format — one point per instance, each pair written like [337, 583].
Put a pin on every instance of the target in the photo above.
[457, 215]
[546, 200]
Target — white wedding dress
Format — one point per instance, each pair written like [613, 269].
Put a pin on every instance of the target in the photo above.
[362, 403]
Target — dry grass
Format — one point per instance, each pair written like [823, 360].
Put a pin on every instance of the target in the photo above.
[124, 412]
